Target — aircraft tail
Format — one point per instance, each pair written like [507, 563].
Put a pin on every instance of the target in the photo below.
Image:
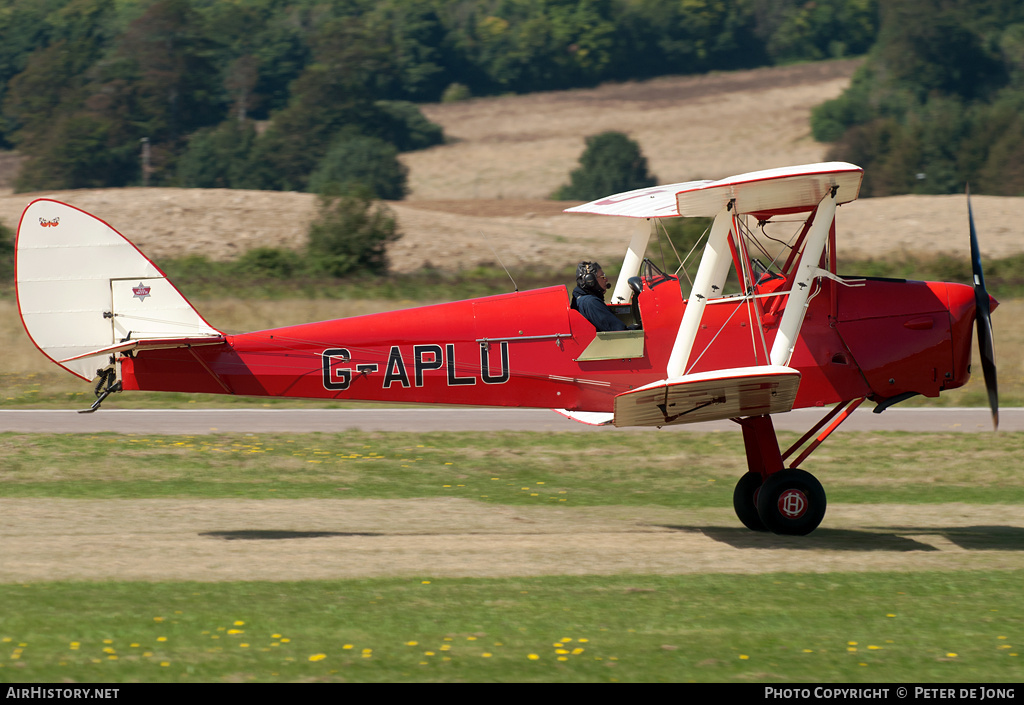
[86, 293]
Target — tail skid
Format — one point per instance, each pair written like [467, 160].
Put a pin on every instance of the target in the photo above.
[85, 293]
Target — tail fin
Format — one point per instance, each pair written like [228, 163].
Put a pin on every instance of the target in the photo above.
[85, 292]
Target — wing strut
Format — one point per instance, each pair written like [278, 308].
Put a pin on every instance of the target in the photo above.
[642, 230]
[807, 271]
[714, 265]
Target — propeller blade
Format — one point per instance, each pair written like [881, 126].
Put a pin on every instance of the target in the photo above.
[983, 320]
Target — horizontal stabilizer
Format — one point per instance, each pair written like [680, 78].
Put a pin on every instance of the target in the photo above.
[590, 418]
[149, 344]
[709, 396]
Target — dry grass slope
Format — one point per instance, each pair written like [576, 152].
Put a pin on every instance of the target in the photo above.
[487, 187]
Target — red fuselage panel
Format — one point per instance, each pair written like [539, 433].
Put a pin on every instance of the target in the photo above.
[521, 349]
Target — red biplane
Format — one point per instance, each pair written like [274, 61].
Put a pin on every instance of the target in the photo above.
[793, 334]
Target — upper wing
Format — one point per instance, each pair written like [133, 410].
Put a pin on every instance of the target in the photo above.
[789, 189]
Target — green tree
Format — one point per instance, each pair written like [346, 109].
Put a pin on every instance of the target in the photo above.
[357, 161]
[937, 104]
[611, 163]
[83, 151]
[415, 36]
[795, 30]
[218, 157]
[161, 83]
[335, 94]
[52, 88]
[24, 29]
[351, 234]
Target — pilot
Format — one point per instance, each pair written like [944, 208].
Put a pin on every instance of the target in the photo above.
[588, 297]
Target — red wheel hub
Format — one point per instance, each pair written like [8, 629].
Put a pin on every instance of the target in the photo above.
[793, 504]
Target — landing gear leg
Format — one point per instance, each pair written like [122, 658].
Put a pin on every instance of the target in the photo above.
[763, 459]
[770, 497]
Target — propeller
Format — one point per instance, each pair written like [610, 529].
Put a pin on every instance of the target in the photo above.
[983, 318]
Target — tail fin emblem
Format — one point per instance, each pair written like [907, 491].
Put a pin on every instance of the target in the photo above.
[49, 223]
[140, 292]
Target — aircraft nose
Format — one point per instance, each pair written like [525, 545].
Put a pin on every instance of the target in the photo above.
[960, 299]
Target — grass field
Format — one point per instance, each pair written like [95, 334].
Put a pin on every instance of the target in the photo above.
[836, 628]
[513, 469]
[884, 621]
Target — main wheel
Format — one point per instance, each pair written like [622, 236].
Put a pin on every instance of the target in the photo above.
[744, 501]
[791, 502]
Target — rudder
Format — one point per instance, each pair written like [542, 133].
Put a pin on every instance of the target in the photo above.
[82, 288]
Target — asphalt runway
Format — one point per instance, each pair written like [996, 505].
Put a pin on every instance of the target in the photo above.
[241, 420]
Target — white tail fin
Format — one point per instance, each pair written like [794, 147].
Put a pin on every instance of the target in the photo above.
[83, 290]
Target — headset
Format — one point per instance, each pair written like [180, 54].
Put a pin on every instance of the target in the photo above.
[586, 278]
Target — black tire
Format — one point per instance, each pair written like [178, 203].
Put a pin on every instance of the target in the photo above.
[743, 501]
[791, 502]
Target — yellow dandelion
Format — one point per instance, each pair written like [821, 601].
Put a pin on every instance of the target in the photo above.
[744, 657]
[486, 654]
[318, 657]
[532, 657]
[161, 638]
[412, 643]
[346, 646]
[239, 623]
